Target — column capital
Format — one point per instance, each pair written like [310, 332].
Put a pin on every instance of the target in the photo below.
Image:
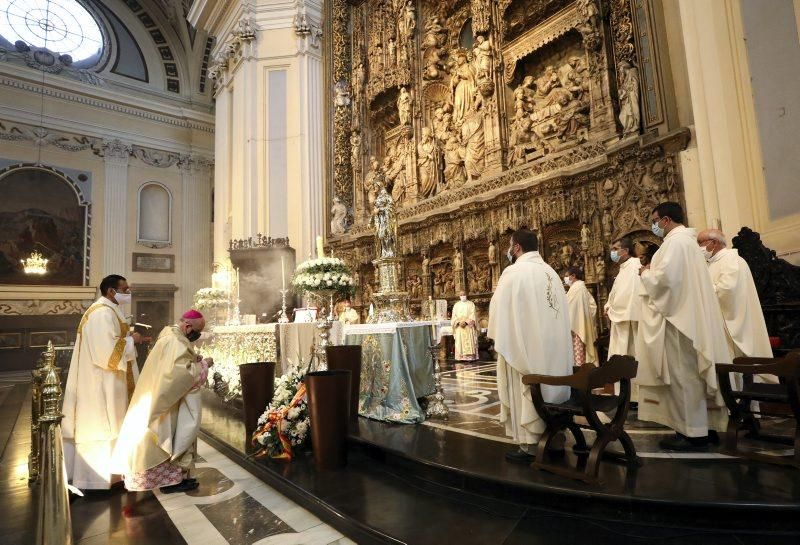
[115, 151]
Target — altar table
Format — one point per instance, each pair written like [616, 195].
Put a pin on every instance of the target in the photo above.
[396, 369]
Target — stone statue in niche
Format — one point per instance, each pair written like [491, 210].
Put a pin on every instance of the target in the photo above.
[404, 106]
[409, 20]
[589, 13]
[371, 181]
[462, 86]
[341, 94]
[433, 64]
[472, 138]
[585, 234]
[426, 264]
[355, 150]
[458, 261]
[482, 51]
[629, 110]
[441, 125]
[600, 268]
[384, 221]
[608, 225]
[338, 217]
[566, 256]
[359, 78]
[455, 173]
[428, 159]
[391, 48]
[578, 79]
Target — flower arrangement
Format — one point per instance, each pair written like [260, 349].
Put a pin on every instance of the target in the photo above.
[324, 274]
[286, 423]
[211, 298]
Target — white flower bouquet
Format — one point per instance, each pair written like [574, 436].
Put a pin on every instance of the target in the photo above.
[286, 423]
[211, 298]
[324, 274]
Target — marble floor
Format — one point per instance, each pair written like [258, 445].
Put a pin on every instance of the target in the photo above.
[470, 391]
[231, 506]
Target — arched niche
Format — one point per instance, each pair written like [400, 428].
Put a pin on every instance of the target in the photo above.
[154, 216]
[43, 210]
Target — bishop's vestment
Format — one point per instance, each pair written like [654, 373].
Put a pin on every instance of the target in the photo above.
[465, 333]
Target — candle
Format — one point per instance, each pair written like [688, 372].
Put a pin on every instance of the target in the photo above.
[431, 311]
[237, 286]
[283, 275]
[320, 252]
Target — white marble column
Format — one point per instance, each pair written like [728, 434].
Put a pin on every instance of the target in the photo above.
[222, 176]
[116, 155]
[313, 187]
[195, 261]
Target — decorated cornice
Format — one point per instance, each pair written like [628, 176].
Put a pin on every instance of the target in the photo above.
[104, 104]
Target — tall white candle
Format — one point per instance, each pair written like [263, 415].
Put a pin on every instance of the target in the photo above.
[283, 275]
[237, 286]
[320, 252]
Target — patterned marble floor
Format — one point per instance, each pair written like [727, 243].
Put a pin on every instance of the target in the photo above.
[231, 506]
[470, 391]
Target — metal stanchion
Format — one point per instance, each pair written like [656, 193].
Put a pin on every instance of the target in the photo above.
[54, 523]
[36, 411]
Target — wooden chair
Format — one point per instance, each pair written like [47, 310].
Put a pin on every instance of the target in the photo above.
[739, 402]
[582, 402]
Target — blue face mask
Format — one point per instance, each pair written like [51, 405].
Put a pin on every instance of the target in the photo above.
[657, 229]
[615, 256]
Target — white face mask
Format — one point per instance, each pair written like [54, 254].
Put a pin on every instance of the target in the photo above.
[123, 298]
[510, 256]
[615, 256]
[708, 254]
[567, 281]
[657, 229]
[463, 297]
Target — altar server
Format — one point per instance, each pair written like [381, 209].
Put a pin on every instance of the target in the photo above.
[582, 315]
[681, 336]
[465, 332]
[738, 299]
[529, 323]
[622, 308]
[348, 315]
[101, 377]
[157, 442]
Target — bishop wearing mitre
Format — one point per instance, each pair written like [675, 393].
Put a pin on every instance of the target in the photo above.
[529, 323]
[101, 376]
[156, 445]
[582, 315]
[465, 332]
[681, 336]
[738, 299]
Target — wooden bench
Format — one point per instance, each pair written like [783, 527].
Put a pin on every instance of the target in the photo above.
[559, 417]
[740, 403]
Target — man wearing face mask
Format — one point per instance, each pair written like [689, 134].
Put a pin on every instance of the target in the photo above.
[101, 377]
[681, 336]
[738, 299]
[465, 332]
[529, 323]
[582, 314]
[157, 442]
[622, 308]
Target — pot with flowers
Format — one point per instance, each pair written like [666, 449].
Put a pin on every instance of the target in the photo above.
[285, 424]
[212, 302]
[324, 278]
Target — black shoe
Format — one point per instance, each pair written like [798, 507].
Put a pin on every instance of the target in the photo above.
[713, 437]
[519, 457]
[681, 443]
[183, 486]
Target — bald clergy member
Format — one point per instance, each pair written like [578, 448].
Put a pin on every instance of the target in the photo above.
[157, 441]
[101, 376]
[582, 314]
[738, 299]
[529, 324]
[465, 331]
[681, 336]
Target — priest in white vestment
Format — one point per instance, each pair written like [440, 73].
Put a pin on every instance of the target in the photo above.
[465, 330]
[157, 443]
[348, 314]
[738, 299]
[622, 307]
[529, 323]
[681, 336]
[582, 315]
[101, 377]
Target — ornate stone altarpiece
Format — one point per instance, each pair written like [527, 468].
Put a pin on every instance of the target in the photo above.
[483, 116]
